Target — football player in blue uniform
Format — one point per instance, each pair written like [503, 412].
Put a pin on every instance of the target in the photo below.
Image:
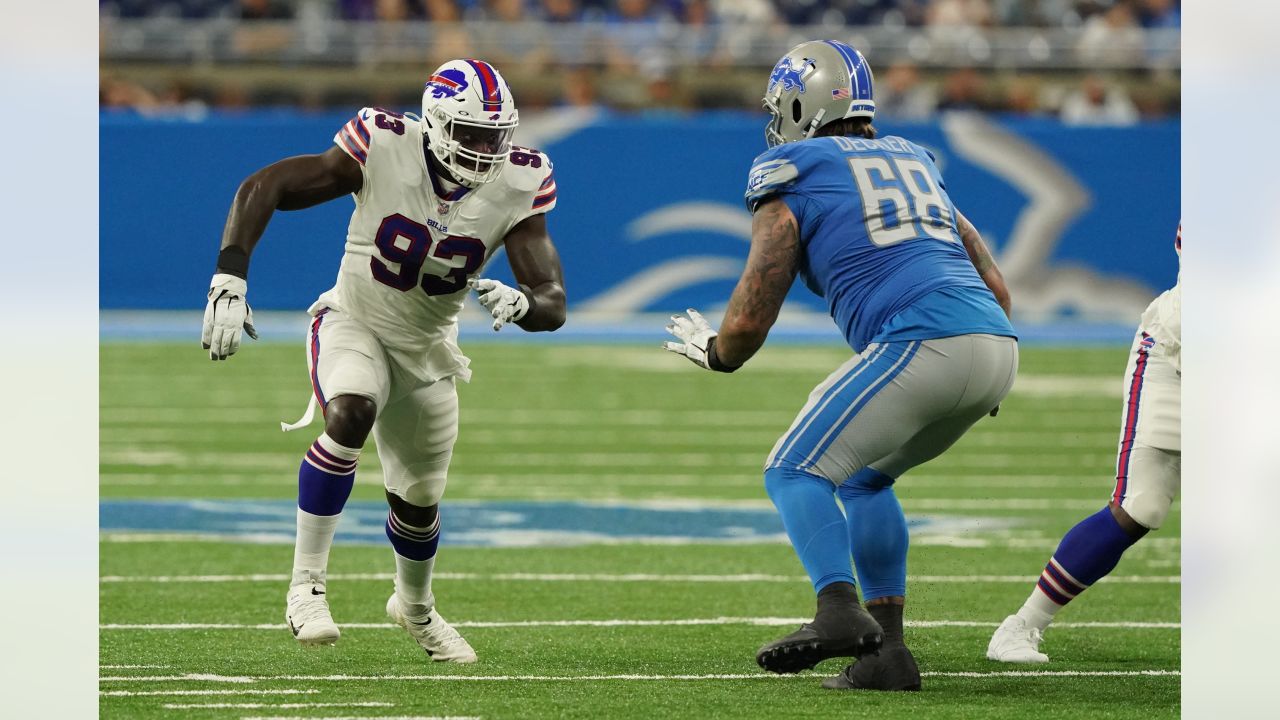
[867, 223]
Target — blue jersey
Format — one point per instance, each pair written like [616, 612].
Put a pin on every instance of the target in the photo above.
[879, 239]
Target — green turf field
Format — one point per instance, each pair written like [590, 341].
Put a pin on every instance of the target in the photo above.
[193, 626]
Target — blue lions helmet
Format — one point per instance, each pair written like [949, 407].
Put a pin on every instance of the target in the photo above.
[815, 83]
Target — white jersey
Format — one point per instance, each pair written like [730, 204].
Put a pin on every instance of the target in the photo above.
[1162, 319]
[412, 244]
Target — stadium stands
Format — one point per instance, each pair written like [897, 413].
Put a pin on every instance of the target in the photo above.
[1025, 57]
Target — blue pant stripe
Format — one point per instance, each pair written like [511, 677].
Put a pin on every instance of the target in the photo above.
[821, 405]
[860, 402]
[840, 400]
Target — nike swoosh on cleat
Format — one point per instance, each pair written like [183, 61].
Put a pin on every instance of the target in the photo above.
[428, 622]
[316, 592]
[295, 629]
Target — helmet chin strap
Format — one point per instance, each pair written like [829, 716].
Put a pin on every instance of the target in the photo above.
[435, 165]
[771, 134]
[815, 123]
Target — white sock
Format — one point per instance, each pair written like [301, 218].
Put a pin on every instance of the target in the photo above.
[1038, 610]
[413, 585]
[311, 550]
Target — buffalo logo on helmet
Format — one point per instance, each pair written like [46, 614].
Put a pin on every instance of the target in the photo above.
[791, 77]
[447, 83]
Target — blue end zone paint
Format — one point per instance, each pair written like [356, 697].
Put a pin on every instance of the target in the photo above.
[484, 524]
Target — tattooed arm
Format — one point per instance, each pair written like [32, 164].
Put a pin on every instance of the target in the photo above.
[980, 256]
[771, 268]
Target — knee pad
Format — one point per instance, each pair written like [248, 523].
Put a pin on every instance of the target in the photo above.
[422, 487]
[1148, 508]
[865, 482]
[1153, 479]
[777, 478]
[416, 477]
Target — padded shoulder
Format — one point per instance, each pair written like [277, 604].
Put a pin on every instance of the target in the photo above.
[372, 126]
[778, 170]
[527, 169]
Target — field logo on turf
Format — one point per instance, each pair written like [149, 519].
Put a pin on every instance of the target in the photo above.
[489, 524]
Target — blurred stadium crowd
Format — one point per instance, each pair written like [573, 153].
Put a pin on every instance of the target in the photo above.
[1085, 61]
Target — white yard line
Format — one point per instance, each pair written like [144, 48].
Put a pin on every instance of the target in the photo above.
[765, 621]
[977, 479]
[916, 503]
[612, 578]
[716, 676]
[1164, 546]
[362, 716]
[272, 706]
[133, 667]
[245, 691]
[1058, 673]
[748, 464]
[148, 537]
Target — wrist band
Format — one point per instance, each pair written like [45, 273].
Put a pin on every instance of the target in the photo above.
[232, 260]
[528, 294]
[713, 360]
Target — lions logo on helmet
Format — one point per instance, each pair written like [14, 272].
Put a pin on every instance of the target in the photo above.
[838, 80]
[469, 116]
[791, 77]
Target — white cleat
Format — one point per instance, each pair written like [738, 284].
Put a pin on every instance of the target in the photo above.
[434, 635]
[1016, 642]
[307, 612]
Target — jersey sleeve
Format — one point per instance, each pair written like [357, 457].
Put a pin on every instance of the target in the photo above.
[354, 137]
[531, 176]
[545, 199]
[774, 172]
[931, 162]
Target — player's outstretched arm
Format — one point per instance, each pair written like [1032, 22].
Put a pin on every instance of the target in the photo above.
[771, 269]
[539, 304]
[291, 184]
[980, 256]
[754, 305]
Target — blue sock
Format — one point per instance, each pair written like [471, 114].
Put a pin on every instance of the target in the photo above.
[877, 534]
[412, 542]
[325, 478]
[415, 551]
[1086, 554]
[813, 522]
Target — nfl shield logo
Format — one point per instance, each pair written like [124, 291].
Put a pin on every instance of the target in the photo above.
[442, 208]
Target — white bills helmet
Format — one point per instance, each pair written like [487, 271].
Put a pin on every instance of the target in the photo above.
[469, 116]
[817, 82]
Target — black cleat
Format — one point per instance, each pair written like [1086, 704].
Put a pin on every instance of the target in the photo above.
[848, 632]
[890, 669]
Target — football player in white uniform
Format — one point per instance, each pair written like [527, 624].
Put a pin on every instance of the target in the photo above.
[435, 197]
[1148, 477]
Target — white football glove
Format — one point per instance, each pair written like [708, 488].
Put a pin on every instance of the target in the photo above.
[226, 316]
[505, 304]
[694, 333]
